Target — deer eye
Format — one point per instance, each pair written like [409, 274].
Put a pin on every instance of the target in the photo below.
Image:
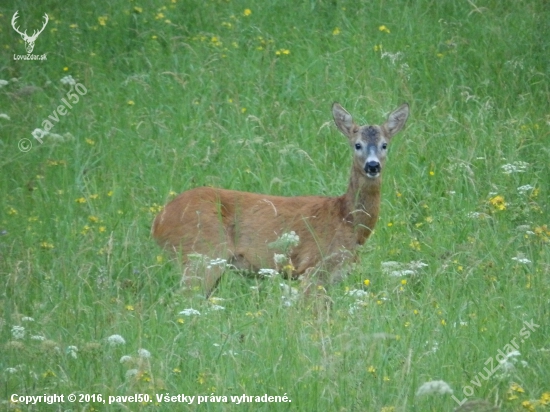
[357, 146]
[384, 146]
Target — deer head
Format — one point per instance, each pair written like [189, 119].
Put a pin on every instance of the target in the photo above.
[29, 40]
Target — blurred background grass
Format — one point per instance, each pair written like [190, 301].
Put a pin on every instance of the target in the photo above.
[237, 95]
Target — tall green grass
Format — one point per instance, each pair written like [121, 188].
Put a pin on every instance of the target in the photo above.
[237, 95]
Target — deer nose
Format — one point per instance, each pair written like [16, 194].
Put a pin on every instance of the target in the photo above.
[372, 167]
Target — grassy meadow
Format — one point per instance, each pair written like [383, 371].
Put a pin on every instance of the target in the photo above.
[453, 287]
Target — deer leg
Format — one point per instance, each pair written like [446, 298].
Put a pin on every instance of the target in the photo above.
[202, 273]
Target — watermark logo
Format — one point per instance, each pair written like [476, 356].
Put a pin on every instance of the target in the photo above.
[29, 40]
[62, 110]
[505, 358]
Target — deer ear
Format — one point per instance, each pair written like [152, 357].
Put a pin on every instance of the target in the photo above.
[396, 119]
[344, 121]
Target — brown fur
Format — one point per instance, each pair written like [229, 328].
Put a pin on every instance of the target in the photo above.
[240, 226]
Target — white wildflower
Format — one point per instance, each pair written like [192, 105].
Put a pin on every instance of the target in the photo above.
[417, 264]
[18, 332]
[397, 269]
[195, 256]
[115, 340]
[38, 337]
[268, 272]
[217, 307]
[437, 387]
[521, 259]
[11, 370]
[71, 351]
[515, 167]
[387, 266]
[435, 346]
[144, 353]
[4, 116]
[130, 373]
[216, 262]
[189, 312]
[523, 228]
[27, 319]
[358, 304]
[286, 241]
[477, 215]
[3, 83]
[279, 258]
[126, 359]
[290, 294]
[291, 238]
[68, 80]
[392, 57]
[404, 272]
[525, 188]
[508, 364]
[357, 293]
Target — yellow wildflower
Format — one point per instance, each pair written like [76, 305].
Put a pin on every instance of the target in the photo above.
[516, 388]
[247, 12]
[415, 244]
[384, 29]
[102, 20]
[46, 245]
[528, 405]
[336, 31]
[201, 379]
[498, 202]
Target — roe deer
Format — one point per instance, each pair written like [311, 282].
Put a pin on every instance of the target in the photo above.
[251, 231]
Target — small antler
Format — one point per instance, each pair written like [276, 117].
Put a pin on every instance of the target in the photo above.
[14, 18]
[37, 32]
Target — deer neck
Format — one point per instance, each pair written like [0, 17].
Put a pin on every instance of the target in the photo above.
[361, 205]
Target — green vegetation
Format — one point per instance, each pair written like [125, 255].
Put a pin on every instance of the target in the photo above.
[237, 94]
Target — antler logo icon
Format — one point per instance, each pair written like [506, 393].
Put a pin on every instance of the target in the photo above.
[29, 40]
